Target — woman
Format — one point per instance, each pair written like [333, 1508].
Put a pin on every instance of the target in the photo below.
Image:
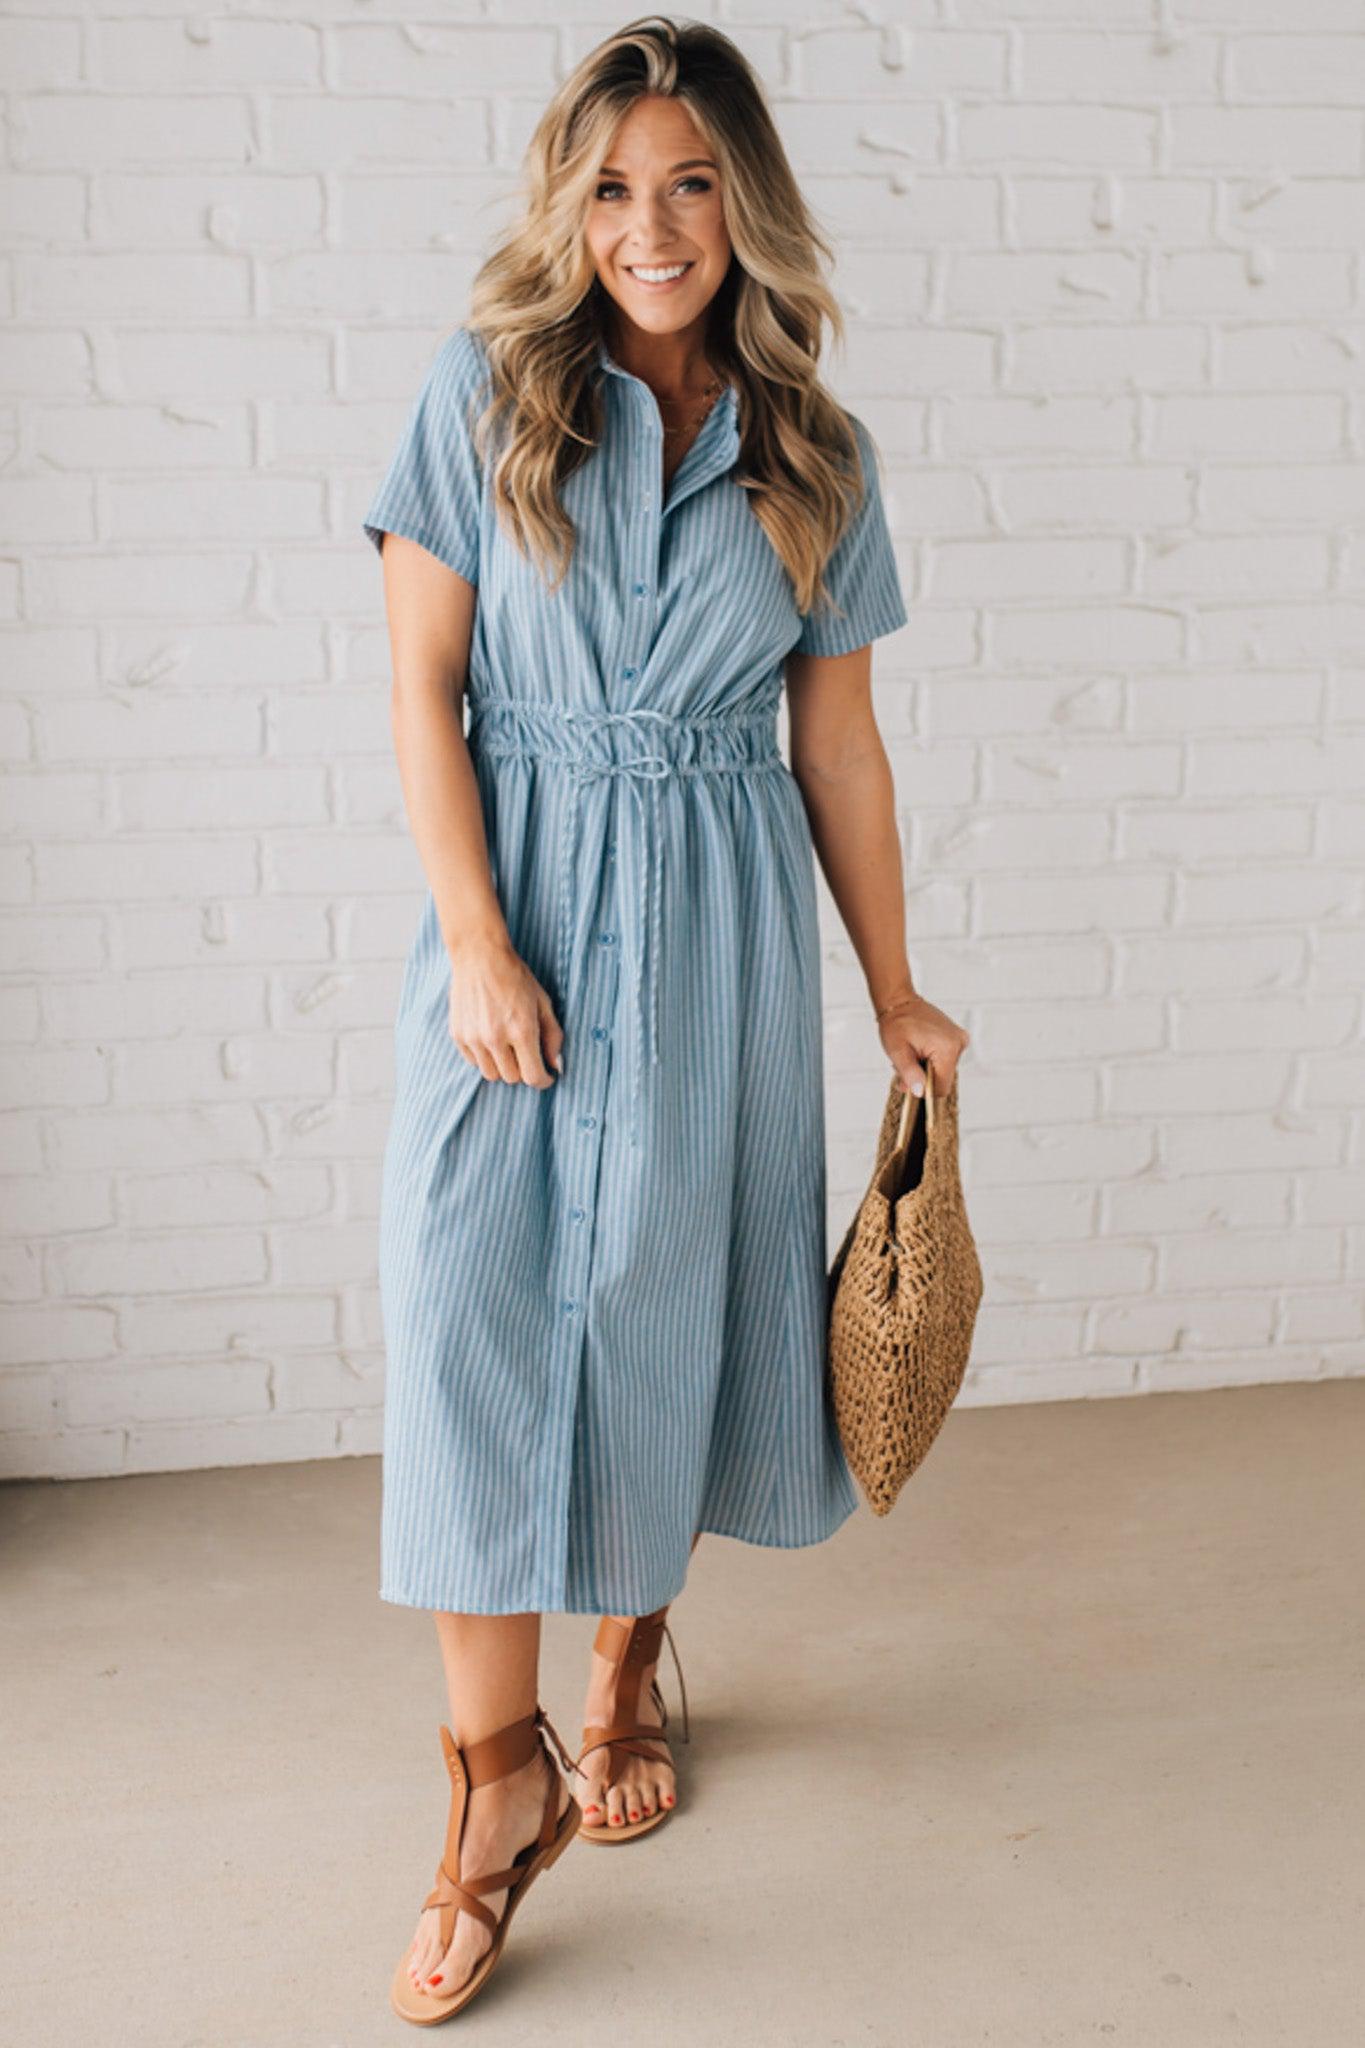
[623, 512]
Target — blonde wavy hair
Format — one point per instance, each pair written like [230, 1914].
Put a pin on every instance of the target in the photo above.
[538, 307]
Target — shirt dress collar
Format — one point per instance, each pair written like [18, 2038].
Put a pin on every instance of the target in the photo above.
[716, 447]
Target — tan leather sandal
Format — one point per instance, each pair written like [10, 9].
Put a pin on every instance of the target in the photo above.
[478, 1764]
[631, 1647]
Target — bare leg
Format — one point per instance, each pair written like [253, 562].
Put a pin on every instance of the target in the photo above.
[644, 1785]
[492, 1667]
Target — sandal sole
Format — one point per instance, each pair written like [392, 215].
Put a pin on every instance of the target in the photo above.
[590, 1832]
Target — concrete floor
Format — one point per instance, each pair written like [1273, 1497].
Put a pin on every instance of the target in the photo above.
[1066, 1751]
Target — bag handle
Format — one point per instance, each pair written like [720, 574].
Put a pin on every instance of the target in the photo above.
[904, 1130]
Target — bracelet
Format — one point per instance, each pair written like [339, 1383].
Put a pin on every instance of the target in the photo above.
[896, 1003]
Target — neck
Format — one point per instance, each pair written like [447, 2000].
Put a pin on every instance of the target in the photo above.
[673, 365]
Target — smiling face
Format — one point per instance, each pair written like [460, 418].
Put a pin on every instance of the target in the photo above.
[656, 224]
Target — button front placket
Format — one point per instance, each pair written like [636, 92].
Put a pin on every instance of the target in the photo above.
[580, 1103]
[590, 981]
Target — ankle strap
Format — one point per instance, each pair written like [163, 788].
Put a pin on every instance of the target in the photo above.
[631, 1646]
[634, 1643]
[507, 1749]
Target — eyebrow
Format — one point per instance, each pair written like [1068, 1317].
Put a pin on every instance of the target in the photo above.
[689, 163]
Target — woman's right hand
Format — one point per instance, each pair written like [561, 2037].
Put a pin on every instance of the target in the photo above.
[501, 1019]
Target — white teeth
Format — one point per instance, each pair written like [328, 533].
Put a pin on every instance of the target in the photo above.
[657, 276]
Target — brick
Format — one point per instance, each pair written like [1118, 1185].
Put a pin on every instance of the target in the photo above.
[1099, 496]
[1320, 70]
[1108, 284]
[1293, 563]
[831, 135]
[216, 1389]
[1297, 358]
[1113, 636]
[439, 60]
[991, 569]
[86, 131]
[1224, 281]
[255, 55]
[1042, 425]
[866, 63]
[1116, 67]
[1094, 138]
[926, 211]
[1246, 140]
[1281, 766]
[257, 212]
[1057, 903]
[1273, 635]
[1227, 424]
[1189, 701]
[1099, 358]
[1124, 212]
[1073, 769]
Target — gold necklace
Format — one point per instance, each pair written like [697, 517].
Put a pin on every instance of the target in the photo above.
[708, 398]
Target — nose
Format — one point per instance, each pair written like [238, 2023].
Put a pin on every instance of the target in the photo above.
[649, 226]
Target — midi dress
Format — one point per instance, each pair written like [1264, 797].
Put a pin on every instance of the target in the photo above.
[603, 1302]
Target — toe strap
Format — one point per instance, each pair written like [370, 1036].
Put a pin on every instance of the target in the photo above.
[630, 1736]
[453, 1896]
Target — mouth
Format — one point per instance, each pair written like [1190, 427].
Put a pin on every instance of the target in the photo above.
[657, 277]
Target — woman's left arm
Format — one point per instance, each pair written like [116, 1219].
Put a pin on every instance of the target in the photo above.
[840, 765]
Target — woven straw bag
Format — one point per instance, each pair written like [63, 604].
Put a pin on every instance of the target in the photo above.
[903, 1293]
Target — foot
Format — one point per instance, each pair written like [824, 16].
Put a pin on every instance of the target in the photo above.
[500, 1818]
[643, 1785]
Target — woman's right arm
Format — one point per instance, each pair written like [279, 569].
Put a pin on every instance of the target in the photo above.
[501, 1018]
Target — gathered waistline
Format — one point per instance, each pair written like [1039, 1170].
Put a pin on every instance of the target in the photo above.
[590, 743]
[717, 742]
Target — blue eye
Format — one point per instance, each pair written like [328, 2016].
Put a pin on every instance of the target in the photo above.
[611, 185]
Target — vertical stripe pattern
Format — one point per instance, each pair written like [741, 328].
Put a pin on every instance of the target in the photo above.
[603, 1301]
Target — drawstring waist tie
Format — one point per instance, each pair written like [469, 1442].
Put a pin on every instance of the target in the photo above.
[590, 743]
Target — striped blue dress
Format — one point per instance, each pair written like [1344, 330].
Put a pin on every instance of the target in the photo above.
[604, 1302]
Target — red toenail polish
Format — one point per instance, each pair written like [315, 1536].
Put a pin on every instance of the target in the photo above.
[433, 1980]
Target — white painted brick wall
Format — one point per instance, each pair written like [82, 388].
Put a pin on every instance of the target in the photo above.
[1102, 260]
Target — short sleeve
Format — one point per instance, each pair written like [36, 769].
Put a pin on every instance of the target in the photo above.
[433, 490]
[860, 575]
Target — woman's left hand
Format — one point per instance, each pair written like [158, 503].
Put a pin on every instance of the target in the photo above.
[915, 1031]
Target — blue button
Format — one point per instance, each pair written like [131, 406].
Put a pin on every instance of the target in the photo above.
[642, 590]
[599, 1031]
[629, 674]
[608, 938]
[577, 1215]
[587, 1123]
[569, 1307]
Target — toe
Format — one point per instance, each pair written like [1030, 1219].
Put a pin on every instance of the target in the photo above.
[458, 1962]
[616, 1806]
[426, 1947]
